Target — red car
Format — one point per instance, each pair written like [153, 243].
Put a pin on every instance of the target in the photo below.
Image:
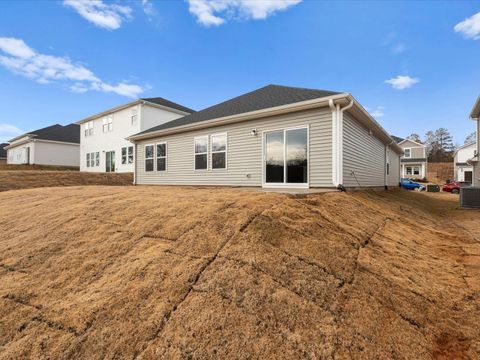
[454, 186]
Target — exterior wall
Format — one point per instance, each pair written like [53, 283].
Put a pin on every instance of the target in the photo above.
[416, 150]
[18, 154]
[115, 140]
[47, 153]
[393, 177]
[363, 156]
[476, 166]
[460, 160]
[244, 152]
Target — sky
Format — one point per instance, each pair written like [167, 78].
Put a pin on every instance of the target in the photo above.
[413, 65]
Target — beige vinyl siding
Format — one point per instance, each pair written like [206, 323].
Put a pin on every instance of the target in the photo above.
[363, 154]
[393, 177]
[244, 152]
[416, 151]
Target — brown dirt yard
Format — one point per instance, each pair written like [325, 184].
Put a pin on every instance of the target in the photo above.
[96, 272]
[25, 179]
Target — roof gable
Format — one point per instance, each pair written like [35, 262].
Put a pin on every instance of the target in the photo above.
[266, 97]
[169, 104]
[68, 133]
[407, 143]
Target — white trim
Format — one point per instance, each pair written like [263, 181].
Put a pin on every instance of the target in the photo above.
[195, 153]
[409, 155]
[422, 145]
[145, 158]
[217, 152]
[166, 157]
[264, 149]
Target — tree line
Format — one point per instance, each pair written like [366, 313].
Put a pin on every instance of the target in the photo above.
[439, 143]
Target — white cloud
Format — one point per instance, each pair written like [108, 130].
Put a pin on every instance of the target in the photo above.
[377, 112]
[21, 59]
[8, 132]
[216, 12]
[470, 27]
[107, 16]
[402, 82]
[148, 8]
[399, 48]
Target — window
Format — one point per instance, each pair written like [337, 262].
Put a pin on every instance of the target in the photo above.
[88, 128]
[219, 151]
[416, 170]
[134, 120]
[162, 157]
[97, 159]
[412, 170]
[408, 153]
[93, 159]
[88, 159]
[107, 124]
[149, 157]
[201, 153]
[127, 155]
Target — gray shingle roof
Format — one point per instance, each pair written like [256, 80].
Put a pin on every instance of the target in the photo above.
[397, 139]
[3, 152]
[263, 98]
[68, 133]
[168, 103]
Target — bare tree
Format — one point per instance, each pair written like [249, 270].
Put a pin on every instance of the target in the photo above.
[414, 137]
[472, 137]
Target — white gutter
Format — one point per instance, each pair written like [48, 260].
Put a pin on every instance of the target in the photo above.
[337, 140]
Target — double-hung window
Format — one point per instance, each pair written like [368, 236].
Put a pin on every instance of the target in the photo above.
[88, 159]
[161, 157]
[201, 153]
[127, 155]
[408, 153]
[107, 123]
[149, 157]
[88, 128]
[219, 151]
[97, 158]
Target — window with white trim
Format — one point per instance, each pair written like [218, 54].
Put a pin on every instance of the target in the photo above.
[97, 159]
[88, 128]
[149, 157]
[93, 159]
[219, 151]
[201, 152]
[127, 155]
[412, 170]
[134, 120]
[88, 160]
[407, 153]
[161, 156]
[107, 123]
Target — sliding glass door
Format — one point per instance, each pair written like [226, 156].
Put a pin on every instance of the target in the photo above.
[286, 157]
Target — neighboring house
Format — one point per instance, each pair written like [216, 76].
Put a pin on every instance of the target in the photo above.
[54, 145]
[475, 161]
[413, 160]
[103, 143]
[462, 169]
[3, 153]
[277, 137]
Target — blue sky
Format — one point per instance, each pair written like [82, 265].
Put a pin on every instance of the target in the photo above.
[61, 61]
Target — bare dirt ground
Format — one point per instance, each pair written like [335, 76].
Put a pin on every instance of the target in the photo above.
[25, 179]
[173, 273]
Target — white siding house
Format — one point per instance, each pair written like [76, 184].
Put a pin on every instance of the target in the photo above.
[54, 145]
[475, 160]
[462, 169]
[103, 141]
[414, 159]
[273, 137]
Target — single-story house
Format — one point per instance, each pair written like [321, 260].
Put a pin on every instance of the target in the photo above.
[103, 141]
[463, 171]
[275, 137]
[53, 145]
[414, 159]
[475, 160]
[3, 153]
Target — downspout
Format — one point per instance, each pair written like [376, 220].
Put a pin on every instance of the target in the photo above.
[337, 141]
[386, 174]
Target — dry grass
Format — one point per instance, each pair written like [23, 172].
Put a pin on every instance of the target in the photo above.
[164, 272]
[25, 179]
[4, 167]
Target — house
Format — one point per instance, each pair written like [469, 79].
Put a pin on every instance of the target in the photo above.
[475, 115]
[3, 153]
[53, 145]
[103, 142]
[413, 160]
[277, 137]
[462, 169]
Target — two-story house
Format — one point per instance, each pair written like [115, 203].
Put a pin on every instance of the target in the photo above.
[475, 115]
[463, 170]
[103, 140]
[413, 163]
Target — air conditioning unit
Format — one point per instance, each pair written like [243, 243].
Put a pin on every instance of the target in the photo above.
[470, 197]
